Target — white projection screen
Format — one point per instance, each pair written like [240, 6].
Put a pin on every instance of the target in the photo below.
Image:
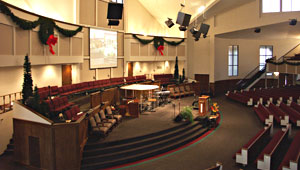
[103, 48]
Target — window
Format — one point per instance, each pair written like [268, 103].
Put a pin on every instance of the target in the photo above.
[270, 6]
[265, 52]
[233, 64]
[280, 5]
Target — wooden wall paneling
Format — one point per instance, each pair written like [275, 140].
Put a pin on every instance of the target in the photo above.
[172, 50]
[34, 151]
[76, 46]
[87, 12]
[291, 69]
[37, 48]
[64, 46]
[180, 50]
[22, 43]
[102, 14]
[272, 68]
[120, 44]
[298, 69]
[282, 68]
[83, 134]
[153, 51]
[6, 42]
[119, 70]
[144, 50]
[95, 99]
[86, 42]
[66, 153]
[135, 49]
[22, 131]
[108, 95]
[85, 73]
[203, 79]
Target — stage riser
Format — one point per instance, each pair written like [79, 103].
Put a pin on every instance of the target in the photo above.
[178, 138]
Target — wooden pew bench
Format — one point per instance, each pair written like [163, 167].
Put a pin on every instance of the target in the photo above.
[247, 154]
[291, 159]
[264, 160]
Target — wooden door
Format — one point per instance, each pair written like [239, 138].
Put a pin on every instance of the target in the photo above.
[130, 69]
[203, 80]
[66, 74]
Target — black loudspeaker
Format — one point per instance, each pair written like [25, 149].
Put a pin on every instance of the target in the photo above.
[169, 23]
[183, 19]
[204, 28]
[197, 35]
[257, 30]
[293, 22]
[113, 22]
[114, 11]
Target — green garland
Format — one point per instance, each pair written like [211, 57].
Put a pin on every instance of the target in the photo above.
[158, 41]
[46, 25]
[271, 61]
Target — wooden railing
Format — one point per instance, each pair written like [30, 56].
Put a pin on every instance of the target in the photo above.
[7, 99]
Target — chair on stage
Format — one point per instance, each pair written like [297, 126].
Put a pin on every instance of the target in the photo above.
[110, 113]
[102, 123]
[103, 118]
[98, 129]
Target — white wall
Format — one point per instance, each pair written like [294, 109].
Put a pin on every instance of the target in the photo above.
[41, 76]
[248, 54]
[140, 21]
[61, 10]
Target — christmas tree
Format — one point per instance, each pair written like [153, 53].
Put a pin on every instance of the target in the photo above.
[27, 84]
[176, 74]
[183, 74]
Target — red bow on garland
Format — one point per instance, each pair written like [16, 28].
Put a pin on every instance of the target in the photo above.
[160, 49]
[51, 41]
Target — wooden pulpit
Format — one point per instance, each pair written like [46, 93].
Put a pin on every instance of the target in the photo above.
[203, 105]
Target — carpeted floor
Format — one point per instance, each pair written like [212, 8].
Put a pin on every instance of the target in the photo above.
[239, 123]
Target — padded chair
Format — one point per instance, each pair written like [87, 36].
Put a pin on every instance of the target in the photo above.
[188, 89]
[177, 90]
[102, 123]
[109, 112]
[182, 90]
[103, 118]
[173, 93]
[97, 129]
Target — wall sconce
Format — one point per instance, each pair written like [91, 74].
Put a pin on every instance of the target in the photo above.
[276, 74]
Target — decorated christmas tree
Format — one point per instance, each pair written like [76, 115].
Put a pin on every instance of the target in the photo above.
[176, 74]
[183, 74]
[27, 84]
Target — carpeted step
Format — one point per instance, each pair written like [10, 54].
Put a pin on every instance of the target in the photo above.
[139, 143]
[143, 146]
[168, 146]
[92, 146]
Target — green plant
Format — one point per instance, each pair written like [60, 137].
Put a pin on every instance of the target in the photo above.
[186, 114]
[27, 84]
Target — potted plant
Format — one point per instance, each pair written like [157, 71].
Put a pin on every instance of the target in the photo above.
[185, 114]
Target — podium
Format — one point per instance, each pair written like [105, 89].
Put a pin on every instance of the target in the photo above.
[203, 105]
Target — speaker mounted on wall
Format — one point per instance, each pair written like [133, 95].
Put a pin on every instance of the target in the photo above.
[204, 29]
[114, 13]
[183, 19]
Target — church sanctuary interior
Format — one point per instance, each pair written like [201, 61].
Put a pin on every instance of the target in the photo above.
[149, 84]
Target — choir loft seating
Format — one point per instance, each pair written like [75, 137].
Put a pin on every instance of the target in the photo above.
[164, 79]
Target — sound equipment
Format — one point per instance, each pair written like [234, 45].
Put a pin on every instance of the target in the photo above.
[183, 19]
[204, 28]
[113, 22]
[114, 11]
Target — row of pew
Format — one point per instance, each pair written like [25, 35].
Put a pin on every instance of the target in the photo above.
[271, 95]
[263, 149]
[164, 79]
[181, 90]
[282, 114]
[90, 86]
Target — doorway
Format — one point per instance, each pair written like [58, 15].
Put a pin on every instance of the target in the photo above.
[66, 74]
[130, 69]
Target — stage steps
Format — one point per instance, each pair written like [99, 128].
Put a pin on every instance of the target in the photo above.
[116, 153]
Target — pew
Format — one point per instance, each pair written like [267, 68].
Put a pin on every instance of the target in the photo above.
[295, 106]
[264, 115]
[247, 153]
[294, 115]
[291, 159]
[264, 160]
[281, 116]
